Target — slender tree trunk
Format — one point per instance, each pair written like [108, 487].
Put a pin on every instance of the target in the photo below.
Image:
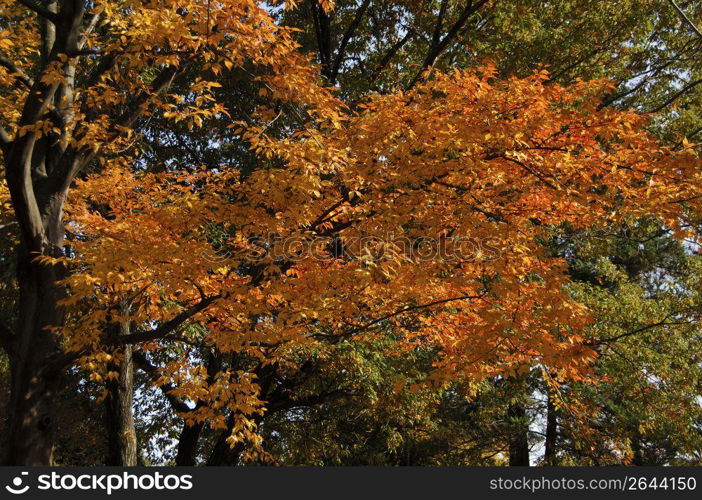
[122, 441]
[519, 438]
[550, 451]
[190, 435]
[637, 448]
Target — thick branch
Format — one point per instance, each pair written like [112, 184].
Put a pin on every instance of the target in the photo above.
[72, 163]
[40, 10]
[436, 37]
[321, 25]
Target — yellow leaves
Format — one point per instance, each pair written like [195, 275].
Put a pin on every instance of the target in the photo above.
[54, 73]
[5, 42]
[327, 5]
[39, 128]
[48, 260]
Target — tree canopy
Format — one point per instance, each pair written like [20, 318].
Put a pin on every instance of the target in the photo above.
[229, 223]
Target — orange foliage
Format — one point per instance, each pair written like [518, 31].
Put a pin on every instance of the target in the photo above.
[422, 212]
[401, 187]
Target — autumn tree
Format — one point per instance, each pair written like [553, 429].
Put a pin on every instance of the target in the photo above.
[77, 77]
[300, 275]
[419, 210]
[643, 46]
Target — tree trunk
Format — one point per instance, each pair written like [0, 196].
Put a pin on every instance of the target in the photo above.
[36, 360]
[638, 458]
[223, 453]
[122, 441]
[550, 451]
[190, 435]
[187, 444]
[519, 438]
[35, 363]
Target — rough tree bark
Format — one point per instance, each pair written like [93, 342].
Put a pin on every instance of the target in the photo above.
[39, 171]
[119, 415]
[38, 186]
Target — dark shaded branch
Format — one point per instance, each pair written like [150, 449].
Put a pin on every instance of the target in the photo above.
[321, 23]
[40, 10]
[341, 52]
[159, 84]
[394, 49]
[639, 330]
[438, 45]
[168, 327]
[676, 96]
[20, 75]
[531, 171]
[688, 136]
[436, 37]
[616, 96]
[150, 369]
[403, 310]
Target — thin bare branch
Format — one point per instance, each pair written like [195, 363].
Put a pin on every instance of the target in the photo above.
[168, 327]
[676, 96]
[684, 17]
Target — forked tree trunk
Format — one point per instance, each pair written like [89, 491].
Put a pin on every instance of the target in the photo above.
[38, 196]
